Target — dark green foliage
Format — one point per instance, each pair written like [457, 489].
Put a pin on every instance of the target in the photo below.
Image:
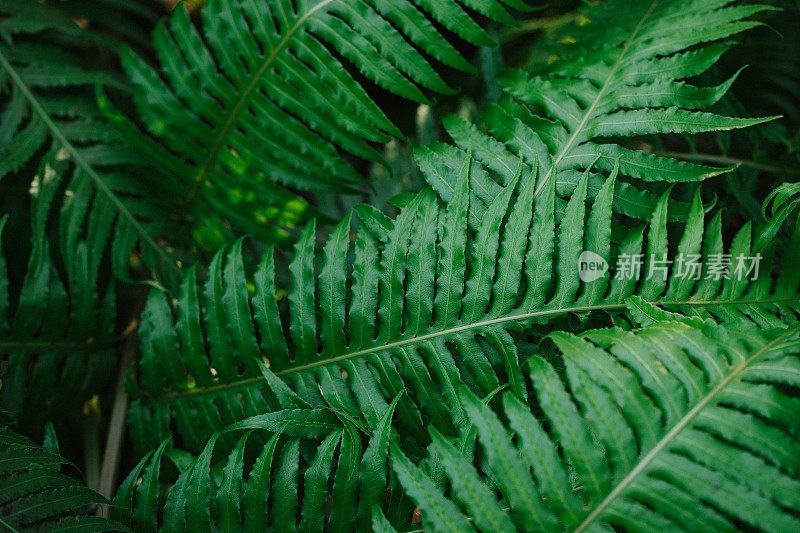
[264, 97]
[56, 333]
[567, 116]
[680, 425]
[48, 105]
[310, 455]
[398, 317]
[37, 495]
[523, 344]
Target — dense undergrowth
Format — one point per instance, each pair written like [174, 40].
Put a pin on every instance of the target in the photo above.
[399, 265]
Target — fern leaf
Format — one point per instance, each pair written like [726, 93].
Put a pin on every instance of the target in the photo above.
[56, 334]
[36, 496]
[305, 459]
[263, 94]
[398, 333]
[103, 202]
[665, 426]
[620, 76]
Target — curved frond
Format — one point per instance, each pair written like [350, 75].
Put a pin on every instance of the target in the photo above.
[425, 306]
[620, 74]
[48, 103]
[264, 92]
[36, 495]
[310, 472]
[682, 425]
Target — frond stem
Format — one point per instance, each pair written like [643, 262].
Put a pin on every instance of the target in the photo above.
[451, 331]
[116, 426]
[7, 525]
[234, 113]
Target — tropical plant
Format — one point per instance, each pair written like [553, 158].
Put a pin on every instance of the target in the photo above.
[440, 316]
[341, 386]
[564, 319]
[679, 425]
[261, 98]
[37, 495]
[48, 103]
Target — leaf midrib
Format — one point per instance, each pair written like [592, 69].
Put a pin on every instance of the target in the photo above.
[234, 112]
[99, 184]
[454, 330]
[590, 110]
[7, 525]
[676, 429]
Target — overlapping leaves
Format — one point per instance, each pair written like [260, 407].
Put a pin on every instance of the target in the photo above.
[48, 106]
[56, 335]
[681, 425]
[619, 75]
[424, 305]
[264, 97]
[313, 473]
[38, 496]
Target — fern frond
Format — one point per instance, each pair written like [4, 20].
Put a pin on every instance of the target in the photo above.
[48, 103]
[425, 306]
[36, 496]
[262, 95]
[56, 339]
[682, 425]
[311, 472]
[621, 75]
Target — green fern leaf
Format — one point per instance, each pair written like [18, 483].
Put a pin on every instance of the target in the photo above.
[258, 97]
[56, 335]
[308, 459]
[681, 425]
[36, 496]
[620, 76]
[103, 202]
[398, 333]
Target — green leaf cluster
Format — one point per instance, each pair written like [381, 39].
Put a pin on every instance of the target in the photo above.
[179, 205]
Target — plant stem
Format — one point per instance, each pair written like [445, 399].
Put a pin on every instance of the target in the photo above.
[116, 427]
[91, 441]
